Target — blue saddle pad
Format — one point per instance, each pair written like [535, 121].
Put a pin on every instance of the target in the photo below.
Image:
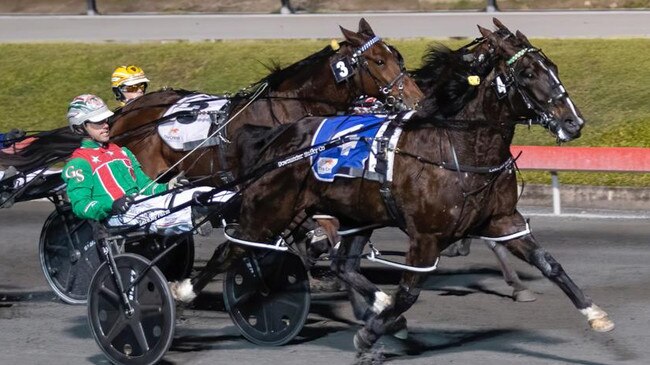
[339, 160]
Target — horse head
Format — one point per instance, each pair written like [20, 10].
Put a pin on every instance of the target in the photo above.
[528, 80]
[376, 67]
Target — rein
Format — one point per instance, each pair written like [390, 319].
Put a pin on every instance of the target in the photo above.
[224, 125]
[455, 166]
[204, 198]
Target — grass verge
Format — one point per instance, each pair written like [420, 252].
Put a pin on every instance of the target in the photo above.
[606, 78]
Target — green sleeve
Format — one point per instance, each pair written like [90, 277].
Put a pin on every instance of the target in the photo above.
[141, 179]
[78, 176]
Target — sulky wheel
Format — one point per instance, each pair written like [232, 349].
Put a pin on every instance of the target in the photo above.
[143, 336]
[176, 264]
[269, 304]
[68, 255]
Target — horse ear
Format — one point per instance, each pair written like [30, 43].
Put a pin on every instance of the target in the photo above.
[499, 25]
[484, 31]
[352, 37]
[522, 37]
[365, 28]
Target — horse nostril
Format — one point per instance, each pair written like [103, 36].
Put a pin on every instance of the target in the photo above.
[572, 124]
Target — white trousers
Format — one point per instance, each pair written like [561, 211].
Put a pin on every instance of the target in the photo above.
[154, 212]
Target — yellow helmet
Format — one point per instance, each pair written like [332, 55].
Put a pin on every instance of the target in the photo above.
[127, 76]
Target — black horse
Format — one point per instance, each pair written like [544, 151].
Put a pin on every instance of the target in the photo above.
[453, 173]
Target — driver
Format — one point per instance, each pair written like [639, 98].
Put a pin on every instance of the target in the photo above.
[129, 83]
[106, 181]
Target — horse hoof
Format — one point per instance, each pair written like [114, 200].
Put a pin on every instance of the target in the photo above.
[399, 328]
[524, 295]
[602, 324]
[361, 341]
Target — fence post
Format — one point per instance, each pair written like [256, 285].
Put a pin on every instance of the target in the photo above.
[491, 6]
[91, 7]
[555, 186]
[287, 8]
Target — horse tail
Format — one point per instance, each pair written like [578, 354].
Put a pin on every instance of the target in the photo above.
[40, 150]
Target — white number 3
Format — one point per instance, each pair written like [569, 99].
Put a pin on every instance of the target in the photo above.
[343, 70]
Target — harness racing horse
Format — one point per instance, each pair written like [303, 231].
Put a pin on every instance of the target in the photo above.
[363, 65]
[453, 174]
[321, 84]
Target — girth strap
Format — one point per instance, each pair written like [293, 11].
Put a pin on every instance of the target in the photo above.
[382, 167]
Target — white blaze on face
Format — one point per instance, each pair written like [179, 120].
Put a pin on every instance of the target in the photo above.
[565, 96]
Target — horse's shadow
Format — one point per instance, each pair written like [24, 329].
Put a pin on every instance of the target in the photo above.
[426, 342]
[9, 295]
[449, 282]
[506, 341]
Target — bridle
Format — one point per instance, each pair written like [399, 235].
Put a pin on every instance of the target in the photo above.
[357, 58]
[540, 109]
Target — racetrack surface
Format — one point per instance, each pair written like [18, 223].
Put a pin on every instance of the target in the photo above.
[138, 28]
[464, 315]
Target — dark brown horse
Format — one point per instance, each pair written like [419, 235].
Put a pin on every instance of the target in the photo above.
[324, 83]
[453, 174]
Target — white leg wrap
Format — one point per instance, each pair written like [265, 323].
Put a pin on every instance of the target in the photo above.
[382, 300]
[593, 312]
[182, 291]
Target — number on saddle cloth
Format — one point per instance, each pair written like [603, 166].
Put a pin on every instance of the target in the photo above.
[351, 156]
[192, 126]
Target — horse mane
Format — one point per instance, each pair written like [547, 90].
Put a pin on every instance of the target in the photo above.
[46, 149]
[443, 80]
[279, 74]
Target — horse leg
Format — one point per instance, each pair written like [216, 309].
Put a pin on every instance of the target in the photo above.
[366, 298]
[323, 239]
[224, 255]
[520, 292]
[527, 249]
[458, 248]
[422, 253]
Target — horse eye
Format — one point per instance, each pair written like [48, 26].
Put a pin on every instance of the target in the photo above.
[380, 62]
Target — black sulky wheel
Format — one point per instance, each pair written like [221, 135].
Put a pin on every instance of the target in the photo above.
[69, 256]
[269, 304]
[176, 264]
[143, 336]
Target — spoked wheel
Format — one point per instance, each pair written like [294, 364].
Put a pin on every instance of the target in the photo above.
[68, 255]
[140, 337]
[267, 297]
[176, 264]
